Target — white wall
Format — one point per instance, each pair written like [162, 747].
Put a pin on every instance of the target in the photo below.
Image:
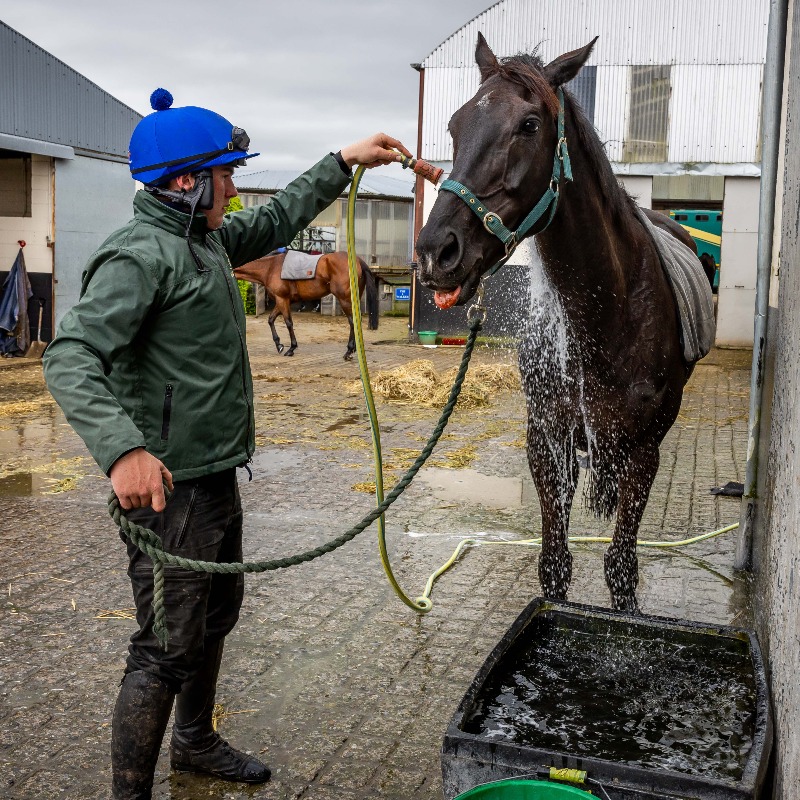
[93, 199]
[34, 229]
[640, 187]
[737, 280]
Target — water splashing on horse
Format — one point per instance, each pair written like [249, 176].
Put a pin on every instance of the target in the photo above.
[602, 363]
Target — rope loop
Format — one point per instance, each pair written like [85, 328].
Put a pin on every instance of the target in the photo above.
[151, 545]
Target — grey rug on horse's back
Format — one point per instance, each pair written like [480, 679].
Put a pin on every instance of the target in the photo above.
[691, 289]
[299, 266]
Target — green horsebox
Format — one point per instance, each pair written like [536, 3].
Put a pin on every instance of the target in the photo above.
[705, 227]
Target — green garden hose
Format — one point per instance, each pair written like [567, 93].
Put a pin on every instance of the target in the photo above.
[421, 604]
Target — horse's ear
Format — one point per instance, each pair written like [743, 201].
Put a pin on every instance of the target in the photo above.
[564, 68]
[487, 62]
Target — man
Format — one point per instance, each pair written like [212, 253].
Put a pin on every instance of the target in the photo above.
[151, 369]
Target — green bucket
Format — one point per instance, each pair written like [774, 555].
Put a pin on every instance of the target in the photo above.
[427, 337]
[524, 790]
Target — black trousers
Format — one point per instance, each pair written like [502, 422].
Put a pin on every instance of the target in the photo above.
[202, 521]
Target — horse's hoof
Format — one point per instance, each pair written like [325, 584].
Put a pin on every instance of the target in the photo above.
[626, 603]
[348, 356]
[280, 348]
[289, 352]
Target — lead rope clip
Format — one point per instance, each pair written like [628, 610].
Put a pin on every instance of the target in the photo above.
[477, 310]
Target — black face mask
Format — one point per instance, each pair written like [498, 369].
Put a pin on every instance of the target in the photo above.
[198, 198]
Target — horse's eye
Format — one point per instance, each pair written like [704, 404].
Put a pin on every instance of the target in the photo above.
[530, 125]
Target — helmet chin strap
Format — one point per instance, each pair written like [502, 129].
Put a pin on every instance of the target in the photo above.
[200, 196]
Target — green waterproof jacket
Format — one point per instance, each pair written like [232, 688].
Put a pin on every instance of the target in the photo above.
[153, 354]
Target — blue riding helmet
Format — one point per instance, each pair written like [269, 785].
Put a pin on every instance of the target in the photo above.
[174, 141]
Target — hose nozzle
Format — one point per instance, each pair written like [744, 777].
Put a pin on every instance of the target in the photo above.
[422, 168]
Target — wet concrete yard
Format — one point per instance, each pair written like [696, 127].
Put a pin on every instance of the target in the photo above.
[341, 688]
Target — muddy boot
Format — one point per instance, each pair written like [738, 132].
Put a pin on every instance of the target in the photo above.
[137, 729]
[196, 746]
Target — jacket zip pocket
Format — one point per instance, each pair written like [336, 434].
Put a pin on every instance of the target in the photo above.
[167, 413]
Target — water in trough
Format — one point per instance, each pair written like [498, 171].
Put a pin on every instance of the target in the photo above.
[665, 702]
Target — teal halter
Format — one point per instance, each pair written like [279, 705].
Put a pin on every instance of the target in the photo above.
[549, 200]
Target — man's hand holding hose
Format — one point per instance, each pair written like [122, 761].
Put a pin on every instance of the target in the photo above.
[374, 151]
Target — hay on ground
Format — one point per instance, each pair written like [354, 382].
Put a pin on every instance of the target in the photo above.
[418, 383]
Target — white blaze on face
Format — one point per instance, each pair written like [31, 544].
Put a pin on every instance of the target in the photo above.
[483, 103]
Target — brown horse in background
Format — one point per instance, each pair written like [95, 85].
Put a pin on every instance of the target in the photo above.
[332, 277]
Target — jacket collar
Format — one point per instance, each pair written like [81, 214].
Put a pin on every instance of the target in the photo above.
[147, 209]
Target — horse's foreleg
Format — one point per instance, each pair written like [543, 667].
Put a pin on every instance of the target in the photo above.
[275, 338]
[621, 562]
[287, 318]
[555, 473]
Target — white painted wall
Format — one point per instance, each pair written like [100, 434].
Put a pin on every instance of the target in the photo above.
[640, 187]
[737, 280]
[34, 229]
[93, 199]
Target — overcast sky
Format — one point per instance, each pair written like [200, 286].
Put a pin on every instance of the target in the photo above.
[303, 77]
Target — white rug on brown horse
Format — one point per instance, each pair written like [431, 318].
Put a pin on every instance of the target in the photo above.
[299, 266]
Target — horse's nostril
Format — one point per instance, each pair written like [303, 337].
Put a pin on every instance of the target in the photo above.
[450, 254]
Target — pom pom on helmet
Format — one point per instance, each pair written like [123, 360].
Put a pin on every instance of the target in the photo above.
[160, 100]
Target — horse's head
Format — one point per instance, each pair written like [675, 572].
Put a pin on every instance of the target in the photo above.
[504, 143]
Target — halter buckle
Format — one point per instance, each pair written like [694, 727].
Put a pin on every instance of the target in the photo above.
[488, 217]
[554, 185]
[559, 147]
[511, 245]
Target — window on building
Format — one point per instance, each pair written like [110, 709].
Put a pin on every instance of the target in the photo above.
[15, 184]
[583, 87]
[648, 115]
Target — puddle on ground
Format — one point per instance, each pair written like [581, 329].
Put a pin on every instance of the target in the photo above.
[468, 486]
[25, 484]
[272, 460]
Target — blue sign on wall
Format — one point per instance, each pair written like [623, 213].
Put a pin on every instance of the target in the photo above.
[402, 293]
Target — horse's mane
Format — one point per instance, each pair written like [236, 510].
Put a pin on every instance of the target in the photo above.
[526, 70]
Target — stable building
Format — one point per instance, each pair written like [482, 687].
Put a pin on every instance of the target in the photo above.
[674, 91]
[384, 224]
[64, 178]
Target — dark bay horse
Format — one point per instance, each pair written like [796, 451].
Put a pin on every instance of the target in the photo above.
[332, 277]
[601, 361]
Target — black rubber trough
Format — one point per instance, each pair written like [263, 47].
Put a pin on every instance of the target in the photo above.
[648, 707]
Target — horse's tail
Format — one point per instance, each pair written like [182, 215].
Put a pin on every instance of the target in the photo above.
[371, 285]
[601, 490]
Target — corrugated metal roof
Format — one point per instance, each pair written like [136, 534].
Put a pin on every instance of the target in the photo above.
[630, 31]
[42, 98]
[372, 182]
[715, 50]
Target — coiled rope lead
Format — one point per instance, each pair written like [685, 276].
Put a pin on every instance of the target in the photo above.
[150, 543]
